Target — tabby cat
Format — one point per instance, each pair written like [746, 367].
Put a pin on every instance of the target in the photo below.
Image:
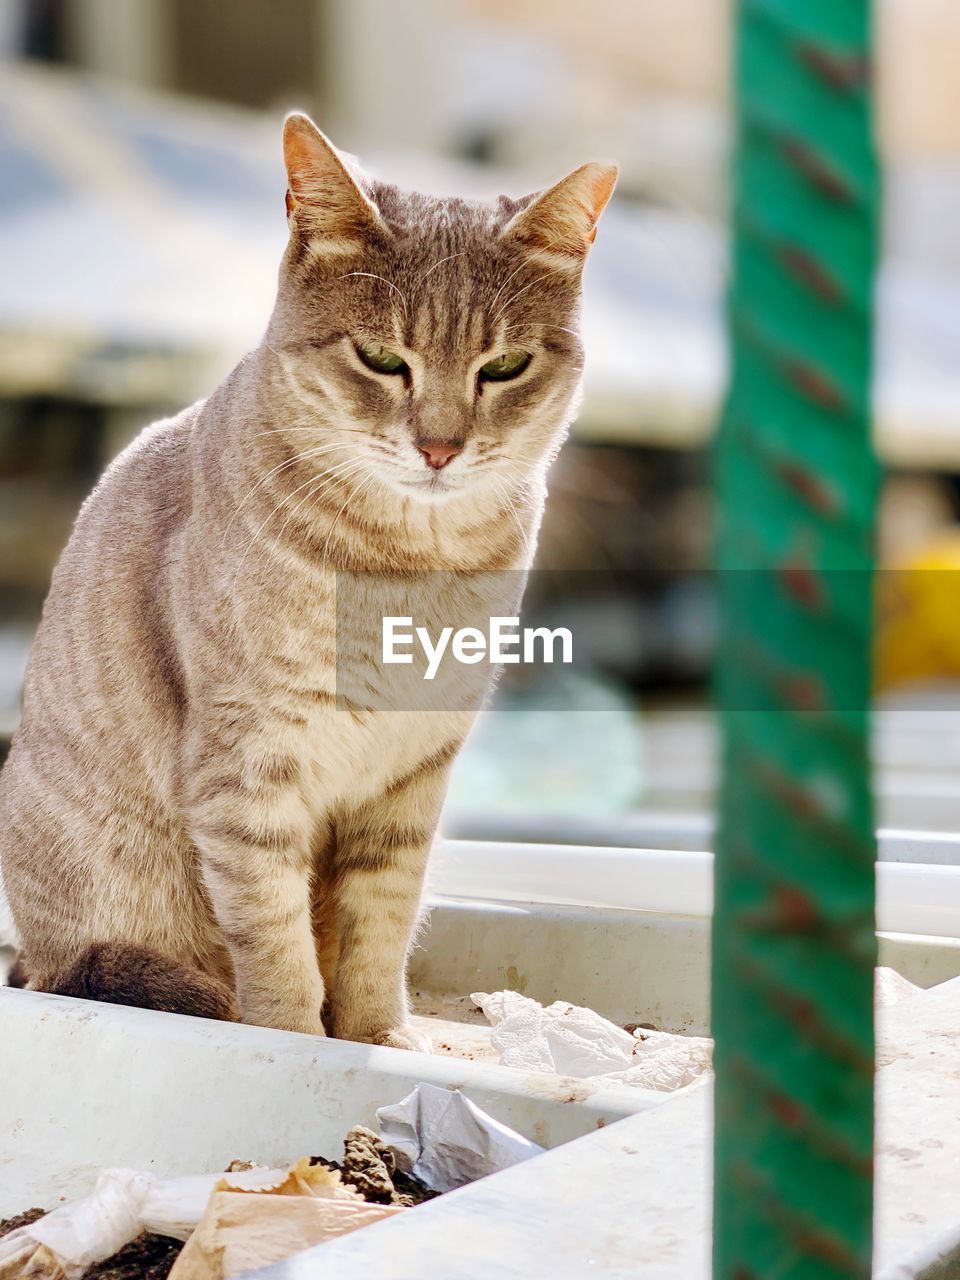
[188, 817]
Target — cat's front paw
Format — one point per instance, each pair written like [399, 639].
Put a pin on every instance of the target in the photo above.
[405, 1037]
[347, 1025]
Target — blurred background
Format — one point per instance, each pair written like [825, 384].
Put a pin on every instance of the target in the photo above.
[142, 219]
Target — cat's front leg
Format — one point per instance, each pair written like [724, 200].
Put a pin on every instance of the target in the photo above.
[379, 865]
[252, 830]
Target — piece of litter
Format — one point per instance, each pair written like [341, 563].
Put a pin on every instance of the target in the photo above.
[562, 1038]
[665, 1062]
[240, 1232]
[446, 1141]
[70, 1239]
[63, 1244]
[568, 1040]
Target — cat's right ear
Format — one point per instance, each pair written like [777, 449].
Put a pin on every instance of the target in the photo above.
[559, 225]
[324, 199]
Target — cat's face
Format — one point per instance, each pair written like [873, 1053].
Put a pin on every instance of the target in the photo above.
[432, 344]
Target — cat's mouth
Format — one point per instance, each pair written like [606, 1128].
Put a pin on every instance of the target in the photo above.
[428, 483]
[432, 483]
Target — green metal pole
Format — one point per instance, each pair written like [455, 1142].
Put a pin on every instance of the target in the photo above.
[794, 945]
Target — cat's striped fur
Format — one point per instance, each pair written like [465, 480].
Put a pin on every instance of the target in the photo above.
[183, 779]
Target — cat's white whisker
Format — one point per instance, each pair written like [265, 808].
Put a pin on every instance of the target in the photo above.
[420, 279]
[373, 276]
[288, 462]
[539, 280]
[539, 324]
[286, 498]
[354, 493]
[325, 482]
[502, 490]
[282, 431]
[510, 277]
[314, 428]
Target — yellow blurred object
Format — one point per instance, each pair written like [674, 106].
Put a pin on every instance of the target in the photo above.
[918, 615]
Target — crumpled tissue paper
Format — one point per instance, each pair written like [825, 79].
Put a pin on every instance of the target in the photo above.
[572, 1041]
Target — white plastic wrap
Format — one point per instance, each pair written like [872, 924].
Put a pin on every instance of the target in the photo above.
[446, 1141]
[121, 1206]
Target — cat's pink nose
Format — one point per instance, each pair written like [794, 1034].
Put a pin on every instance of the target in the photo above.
[437, 453]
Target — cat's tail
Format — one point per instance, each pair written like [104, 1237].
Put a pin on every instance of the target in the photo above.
[125, 973]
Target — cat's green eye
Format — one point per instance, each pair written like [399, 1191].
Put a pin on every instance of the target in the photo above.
[502, 368]
[380, 359]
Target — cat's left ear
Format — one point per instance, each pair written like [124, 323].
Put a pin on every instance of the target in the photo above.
[561, 223]
[322, 192]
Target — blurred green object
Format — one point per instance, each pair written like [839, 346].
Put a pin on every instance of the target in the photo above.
[794, 944]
